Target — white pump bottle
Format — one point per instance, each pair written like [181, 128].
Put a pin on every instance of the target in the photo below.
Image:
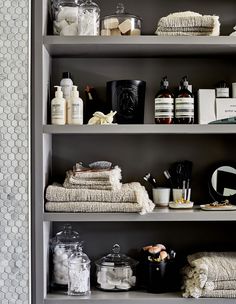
[58, 108]
[75, 108]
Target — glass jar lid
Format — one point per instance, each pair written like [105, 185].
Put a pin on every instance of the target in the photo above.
[120, 12]
[89, 5]
[116, 259]
[66, 236]
[79, 257]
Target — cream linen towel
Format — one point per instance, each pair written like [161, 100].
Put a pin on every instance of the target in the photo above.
[189, 23]
[205, 272]
[94, 180]
[108, 175]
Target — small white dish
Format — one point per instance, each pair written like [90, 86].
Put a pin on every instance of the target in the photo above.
[175, 205]
[208, 207]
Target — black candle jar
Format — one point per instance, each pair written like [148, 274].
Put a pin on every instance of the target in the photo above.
[127, 97]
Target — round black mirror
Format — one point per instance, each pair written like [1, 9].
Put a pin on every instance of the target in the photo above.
[222, 182]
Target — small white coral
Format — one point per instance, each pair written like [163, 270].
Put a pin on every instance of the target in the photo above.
[101, 119]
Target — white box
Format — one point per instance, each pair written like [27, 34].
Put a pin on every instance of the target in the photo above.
[206, 106]
[225, 108]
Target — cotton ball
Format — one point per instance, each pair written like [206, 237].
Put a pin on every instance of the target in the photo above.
[70, 30]
[124, 286]
[70, 14]
[107, 286]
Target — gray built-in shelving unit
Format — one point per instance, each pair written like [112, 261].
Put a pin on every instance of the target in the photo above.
[137, 149]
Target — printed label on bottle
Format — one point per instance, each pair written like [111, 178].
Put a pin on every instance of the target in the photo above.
[58, 111]
[222, 92]
[186, 106]
[164, 100]
[75, 111]
[184, 100]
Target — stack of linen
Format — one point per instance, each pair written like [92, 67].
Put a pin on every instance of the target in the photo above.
[97, 190]
[210, 275]
[188, 24]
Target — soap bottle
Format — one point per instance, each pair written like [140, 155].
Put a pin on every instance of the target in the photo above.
[58, 108]
[75, 108]
[164, 104]
[184, 104]
[66, 84]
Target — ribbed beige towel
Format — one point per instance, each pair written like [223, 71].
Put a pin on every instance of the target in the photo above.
[88, 207]
[208, 273]
[130, 193]
[188, 23]
[219, 294]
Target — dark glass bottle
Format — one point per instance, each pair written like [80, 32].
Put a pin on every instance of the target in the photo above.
[164, 104]
[184, 104]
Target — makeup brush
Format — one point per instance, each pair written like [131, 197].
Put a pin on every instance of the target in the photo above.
[150, 179]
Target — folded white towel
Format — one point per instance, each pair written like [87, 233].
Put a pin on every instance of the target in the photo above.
[206, 270]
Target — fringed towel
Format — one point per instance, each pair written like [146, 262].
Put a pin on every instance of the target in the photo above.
[132, 197]
[210, 274]
[189, 24]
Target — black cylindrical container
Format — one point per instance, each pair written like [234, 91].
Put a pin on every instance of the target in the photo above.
[127, 97]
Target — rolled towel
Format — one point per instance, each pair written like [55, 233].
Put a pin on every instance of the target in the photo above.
[208, 272]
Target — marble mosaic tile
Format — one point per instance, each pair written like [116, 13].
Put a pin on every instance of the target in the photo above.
[14, 257]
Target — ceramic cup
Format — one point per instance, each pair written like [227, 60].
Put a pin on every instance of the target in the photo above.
[177, 194]
[161, 196]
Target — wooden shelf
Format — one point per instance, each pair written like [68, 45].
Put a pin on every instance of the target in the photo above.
[139, 46]
[131, 297]
[140, 129]
[158, 215]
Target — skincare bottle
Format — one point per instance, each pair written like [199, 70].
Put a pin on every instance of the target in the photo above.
[58, 108]
[222, 90]
[66, 85]
[75, 108]
[164, 104]
[184, 104]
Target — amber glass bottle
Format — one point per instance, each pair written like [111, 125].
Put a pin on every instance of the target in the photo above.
[164, 104]
[184, 104]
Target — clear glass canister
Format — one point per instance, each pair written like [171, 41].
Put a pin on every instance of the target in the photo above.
[116, 271]
[78, 274]
[89, 19]
[65, 17]
[121, 23]
[62, 246]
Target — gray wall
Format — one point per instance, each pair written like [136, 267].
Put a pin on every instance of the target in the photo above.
[14, 157]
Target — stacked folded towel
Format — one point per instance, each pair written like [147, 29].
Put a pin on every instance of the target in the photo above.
[188, 24]
[210, 274]
[105, 179]
[97, 191]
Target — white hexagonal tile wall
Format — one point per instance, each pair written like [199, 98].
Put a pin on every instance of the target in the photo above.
[14, 266]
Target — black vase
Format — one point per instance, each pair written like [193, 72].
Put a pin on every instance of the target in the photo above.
[127, 97]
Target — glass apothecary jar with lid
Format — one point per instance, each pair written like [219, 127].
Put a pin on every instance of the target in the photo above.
[116, 271]
[65, 17]
[78, 274]
[121, 23]
[62, 246]
[89, 19]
